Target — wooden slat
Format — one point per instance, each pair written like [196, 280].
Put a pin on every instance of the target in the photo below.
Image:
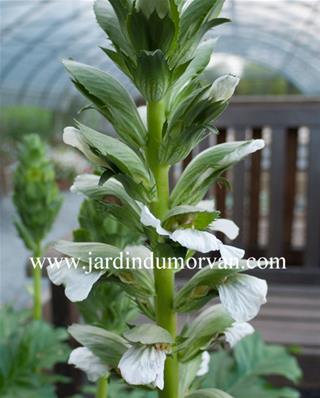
[263, 112]
[255, 181]
[239, 191]
[220, 190]
[290, 184]
[186, 161]
[312, 255]
[277, 174]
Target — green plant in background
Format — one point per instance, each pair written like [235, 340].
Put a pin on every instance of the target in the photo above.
[37, 200]
[19, 121]
[242, 372]
[26, 348]
[159, 45]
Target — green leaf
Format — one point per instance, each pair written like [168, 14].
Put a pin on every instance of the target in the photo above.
[209, 393]
[254, 357]
[196, 13]
[188, 217]
[87, 251]
[112, 100]
[207, 167]
[108, 346]
[109, 22]
[201, 59]
[113, 197]
[202, 332]
[148, 334]
[152, 75]
[120, 156]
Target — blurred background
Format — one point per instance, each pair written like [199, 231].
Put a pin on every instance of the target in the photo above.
[274, 47]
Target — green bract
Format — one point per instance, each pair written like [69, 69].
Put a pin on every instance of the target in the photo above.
[148, 334]
[204, 329]
[107, 346]
[207, 167]
[188, 217]
[111, 99]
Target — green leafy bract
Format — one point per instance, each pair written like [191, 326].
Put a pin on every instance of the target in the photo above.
[204, 329]
[207, 167]
[107, 346]
[111, 99]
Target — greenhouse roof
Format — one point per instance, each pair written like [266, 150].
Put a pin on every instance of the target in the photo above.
[37, 34]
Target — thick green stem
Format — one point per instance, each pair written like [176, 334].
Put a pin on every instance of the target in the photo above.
[37, 301]
[102, 387]
[164, 278]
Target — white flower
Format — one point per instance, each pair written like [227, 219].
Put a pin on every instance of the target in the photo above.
[201, 241]
[237, 331]
[73, 137]
[143, 365]
[84, 359]
[77, 282]
[242, 296]
[204, 365]
[223, 88]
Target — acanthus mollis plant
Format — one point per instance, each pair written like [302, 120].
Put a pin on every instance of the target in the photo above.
[160, 46]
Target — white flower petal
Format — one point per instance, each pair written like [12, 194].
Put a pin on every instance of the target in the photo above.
[207, 205]
[242, 296]
[237, 331]
[204, 366]
[143, 366]
[149, 220]
[84, 359]
[78, 284]
[142, 110]
[231, 254]
[228, 227]
[193, 239]
[73, 137]
[223, 88]
[85, 182]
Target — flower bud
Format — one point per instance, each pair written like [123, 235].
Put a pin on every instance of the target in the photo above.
[223, 88]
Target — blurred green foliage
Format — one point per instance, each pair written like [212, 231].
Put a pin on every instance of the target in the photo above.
[26, 347]
[107, 305]
[19, 121]
[97, 225]
[36, 195]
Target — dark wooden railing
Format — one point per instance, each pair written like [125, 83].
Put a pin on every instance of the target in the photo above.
[275, 197]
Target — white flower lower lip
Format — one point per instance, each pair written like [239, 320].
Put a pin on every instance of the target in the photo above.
[78, 284]
[237, 331]
[85, 360]
[143, 365]
[242, 296]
